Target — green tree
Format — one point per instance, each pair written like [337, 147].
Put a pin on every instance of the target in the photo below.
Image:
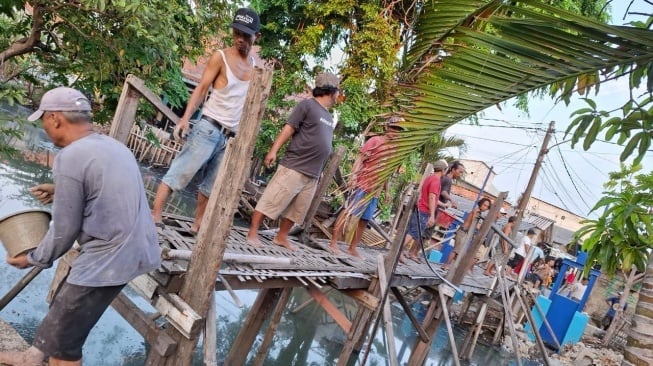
[93, 45]
[620, 239]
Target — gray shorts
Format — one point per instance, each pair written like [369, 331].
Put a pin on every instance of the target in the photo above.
[73, 313]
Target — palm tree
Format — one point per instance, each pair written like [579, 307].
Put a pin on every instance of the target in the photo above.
[468, 55]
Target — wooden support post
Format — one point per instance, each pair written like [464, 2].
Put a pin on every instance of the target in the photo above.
[387, 315]
[507, 309]
[444, 304]
[467, 302]
[409, 313]
[263, 306]
[323, 184]
[331, 309]
[209, 346]
[216, 225]
[157, 338]
[272, 327]
[456, 274]
[538, 337]
[125, 115]
[545, 321]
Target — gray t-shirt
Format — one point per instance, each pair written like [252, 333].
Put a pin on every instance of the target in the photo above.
[310, 146]
[100, 202]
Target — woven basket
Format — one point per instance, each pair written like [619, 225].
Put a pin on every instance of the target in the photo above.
[22, 231]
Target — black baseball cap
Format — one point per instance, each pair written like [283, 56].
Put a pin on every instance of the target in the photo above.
[247, 21]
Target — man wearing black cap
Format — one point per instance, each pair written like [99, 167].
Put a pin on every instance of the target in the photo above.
[290, 191]
[228, 72]
[100, 202]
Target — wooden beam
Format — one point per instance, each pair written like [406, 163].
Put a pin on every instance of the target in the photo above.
[139, 85]
[272, 327]
[215, 228]
[157, 338]
[180, 315]
[363, 297]
[123, 119]
[331, 309]
[409, 312]
[237, 284]
[266, 300]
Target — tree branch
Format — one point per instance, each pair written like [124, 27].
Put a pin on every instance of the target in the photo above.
[28, 44]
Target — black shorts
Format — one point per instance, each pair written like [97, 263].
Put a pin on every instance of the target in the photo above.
[515, 261]
[73, 312]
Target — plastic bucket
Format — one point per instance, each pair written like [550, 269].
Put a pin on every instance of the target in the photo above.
[23, 230]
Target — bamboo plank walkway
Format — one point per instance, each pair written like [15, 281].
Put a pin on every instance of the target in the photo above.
[309, 264]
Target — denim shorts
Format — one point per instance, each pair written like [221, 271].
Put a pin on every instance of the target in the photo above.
[421, 219]
[202, 151]
[357, 206]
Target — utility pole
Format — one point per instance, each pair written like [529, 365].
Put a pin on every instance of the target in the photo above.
[525, 197]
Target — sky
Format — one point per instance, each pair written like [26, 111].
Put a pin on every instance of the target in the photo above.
[509, 141]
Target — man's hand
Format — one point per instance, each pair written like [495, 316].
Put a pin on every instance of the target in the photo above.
[181, 130]
[270, 159]
[19, 261]
[43, 192]
[431, 221]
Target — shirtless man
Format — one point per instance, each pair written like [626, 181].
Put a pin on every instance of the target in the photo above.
[228, 72]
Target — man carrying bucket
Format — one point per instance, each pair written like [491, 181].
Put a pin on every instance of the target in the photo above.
[100, 202]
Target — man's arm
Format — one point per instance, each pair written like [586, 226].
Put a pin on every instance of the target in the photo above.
[286, 133]
[211, 72]
[66, 225]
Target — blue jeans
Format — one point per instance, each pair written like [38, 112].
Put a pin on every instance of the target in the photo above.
[203, 149]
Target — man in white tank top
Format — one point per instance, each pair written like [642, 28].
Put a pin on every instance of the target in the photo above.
[228, 72]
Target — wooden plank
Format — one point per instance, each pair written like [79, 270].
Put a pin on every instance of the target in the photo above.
[139, 86]
[210, 344]
[363, 297]
[145, 285]
[237, 284]
[330, 308]
[409, 312]
[180, 315]
[123, 119]
[155, 337]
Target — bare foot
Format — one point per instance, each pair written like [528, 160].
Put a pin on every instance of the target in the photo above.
[286, 245]
[255, 242]
[333, 249]
[354, 253]
[402, 259]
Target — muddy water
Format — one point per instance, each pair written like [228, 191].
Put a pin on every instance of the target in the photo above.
[308, 337]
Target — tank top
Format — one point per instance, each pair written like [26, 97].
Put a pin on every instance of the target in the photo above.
[225, 105]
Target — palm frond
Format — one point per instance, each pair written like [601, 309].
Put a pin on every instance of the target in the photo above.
[471, 54]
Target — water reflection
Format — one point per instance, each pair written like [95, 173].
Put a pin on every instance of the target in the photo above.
[305, 337]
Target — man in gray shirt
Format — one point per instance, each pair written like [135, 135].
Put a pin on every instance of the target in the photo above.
[100, 202]
[290, 192]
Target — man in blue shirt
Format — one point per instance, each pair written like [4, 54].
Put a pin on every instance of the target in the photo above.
[613, 302]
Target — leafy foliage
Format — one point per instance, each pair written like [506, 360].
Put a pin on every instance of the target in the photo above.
[93, 45]
[621, 236]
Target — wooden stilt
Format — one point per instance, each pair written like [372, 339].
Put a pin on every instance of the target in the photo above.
[209, 346]
[445, 313]
[538, 337]
[465, 308]
[272, 327]
[499, 332]
[409, 312]
[545, 321]
[19, 286]
[322, 185]
[261, 309]
[507, 308]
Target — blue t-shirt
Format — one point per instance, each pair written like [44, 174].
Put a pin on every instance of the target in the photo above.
[614, 304]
